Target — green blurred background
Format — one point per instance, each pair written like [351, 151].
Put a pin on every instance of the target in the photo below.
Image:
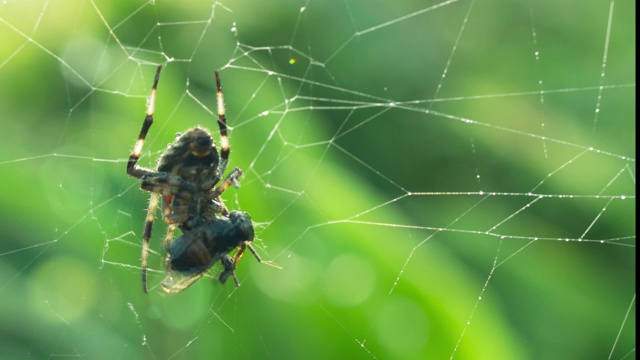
[436, 180]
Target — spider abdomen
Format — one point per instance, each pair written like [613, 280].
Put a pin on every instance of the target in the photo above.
[192, 152]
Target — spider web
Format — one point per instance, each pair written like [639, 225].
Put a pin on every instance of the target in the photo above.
[441, 179]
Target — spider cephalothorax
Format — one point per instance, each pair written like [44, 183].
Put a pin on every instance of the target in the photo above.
[186, 178]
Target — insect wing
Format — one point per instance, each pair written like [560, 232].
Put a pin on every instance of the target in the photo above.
[175, 282]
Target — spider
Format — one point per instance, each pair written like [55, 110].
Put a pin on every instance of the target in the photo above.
[186, 178]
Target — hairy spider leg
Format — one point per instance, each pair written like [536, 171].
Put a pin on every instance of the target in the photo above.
[169, 238]
[222, 123]
[148, 224]
[137, 171]
[224, 154]
[132, 168]
[224, 185]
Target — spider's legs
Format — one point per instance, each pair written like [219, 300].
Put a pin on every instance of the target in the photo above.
[222, 123]
[230, 179]
[224, 185]
[138, 172]
[132, 168]
[169, 238]
[148, 224]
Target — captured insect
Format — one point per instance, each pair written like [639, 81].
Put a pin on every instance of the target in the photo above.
[186, 178]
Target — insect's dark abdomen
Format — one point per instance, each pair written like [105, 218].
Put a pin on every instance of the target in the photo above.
[189, 253]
